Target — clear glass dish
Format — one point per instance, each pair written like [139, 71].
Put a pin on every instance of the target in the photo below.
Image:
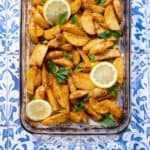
[75, 129]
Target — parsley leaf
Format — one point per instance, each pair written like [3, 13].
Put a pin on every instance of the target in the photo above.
[74, 20]
[92, 57]
[62, 19]
[113, 90]
[33, 98]
[78, 68]
[45, 42]
[116, 46]
[108, 121]
[52, 66]
[106, 34]
[85, 98]
[101, 1]
[68, 56]
[43, 2]
[79, 106]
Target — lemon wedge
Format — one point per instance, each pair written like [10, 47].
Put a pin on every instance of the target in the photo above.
[37, 110]
[104, 75]
[54, 8]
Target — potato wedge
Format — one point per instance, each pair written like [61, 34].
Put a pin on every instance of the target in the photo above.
[119, 64]
[82, 81]
[74, 29]
[36, 2]
[40, 9]
[39, 30]
[55, 54]
[71, 84]
[52, 32]
[107, 2]
[87, 22]
[38, 55]
[78, 117]
[65, 97]
[56, 119]
[74, 5]
[78, 94]
[52, 100]
[63, 62]
[44, 75]
[86, 67]
[76, 57]
[111, 19]
[84, 57]
[32, 31]
[39, 19]
[95, 8]
[75, 40]
[31, 82]
[117, 6]
[109, 54]
[40, 93]
[66, 47]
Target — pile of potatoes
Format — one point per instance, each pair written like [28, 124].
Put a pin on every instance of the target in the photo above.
[79, 41]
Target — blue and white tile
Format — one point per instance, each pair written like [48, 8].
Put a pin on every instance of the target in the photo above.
[139, 26]
[3, 89]
[3, 138]
[13, 89]
[140, 88]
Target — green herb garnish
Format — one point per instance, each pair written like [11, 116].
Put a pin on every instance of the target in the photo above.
[33, 98]
[42, 1]
[101, 2]
[68, 56]
[60, 74]
[74, 20]
[108, 121]
[92, 57]
[62, 19]
[116, 46]
[45, 42]
[106, 34]
[78, 68]
[79, 106]
[85, 98]
[113, 90]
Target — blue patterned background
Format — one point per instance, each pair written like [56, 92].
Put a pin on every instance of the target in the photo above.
[12, 135]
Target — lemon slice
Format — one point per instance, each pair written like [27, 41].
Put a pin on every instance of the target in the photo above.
[54, 8]
[38, 110]
[104, 75]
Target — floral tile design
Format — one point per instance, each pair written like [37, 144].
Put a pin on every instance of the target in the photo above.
[3, 138]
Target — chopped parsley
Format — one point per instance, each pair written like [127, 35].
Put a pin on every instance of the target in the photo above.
[68, 56]
[78, 68]
[74, 20]
[62, 19]
[92, 57]
[113, 90]
[100, 2]
[116, 46]
[45, 42]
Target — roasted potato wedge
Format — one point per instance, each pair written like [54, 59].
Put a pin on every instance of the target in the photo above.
[119, 64]
[95, 8]
[39, 31]
[37, 2]
[55, 54]
[71, 84]
[40, 93]
[84, 57]
[66, 47]
[76, 57]
[74, 5]
[87, 22]
[56, 119]
[38, 55]
[75, 40]
[78, 94]
[111, 19]
[63, 62]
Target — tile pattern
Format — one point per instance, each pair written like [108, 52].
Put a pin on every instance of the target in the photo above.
[14, 137]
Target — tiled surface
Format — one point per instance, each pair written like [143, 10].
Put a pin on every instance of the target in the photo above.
[14, 137]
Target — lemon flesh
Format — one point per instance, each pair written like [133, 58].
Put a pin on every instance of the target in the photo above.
[54, 8]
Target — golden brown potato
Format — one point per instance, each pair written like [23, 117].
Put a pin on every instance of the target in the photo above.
[71, 84]
[31, 81]
[55, 54]
[36, 2]
[76, 57]
[52, 32]
[89, 2]
[86, 67]
[74, 5]
[117, 6]
[87, 22]
[40, 92]
[65, 97]
[119, 64]
[89, 110]
[82, 81]
[56, 119]
[38, 55]
[111, 19]
[32, 31]
[74, 29]
[75, 40]
[78, 117]
[39, 19]
[101, 47]
[91, 44]
[84, 57]
[78, 94]
[38, 78]
[66, 47]
[95, 8]
[39, 31]
[44, 75]
[107, 106]
[63, 62]
[40, 9]
[52, 100]
[109, 54]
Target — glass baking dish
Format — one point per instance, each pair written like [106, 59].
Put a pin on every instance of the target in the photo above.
[75, 129]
